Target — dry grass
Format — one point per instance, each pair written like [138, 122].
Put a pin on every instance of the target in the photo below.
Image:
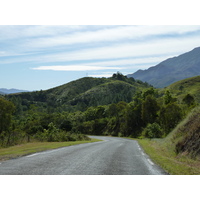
[29, 148]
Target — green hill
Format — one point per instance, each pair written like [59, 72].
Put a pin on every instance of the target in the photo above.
[84, 92]
[186, 86]
[107, 93]
[70, 90]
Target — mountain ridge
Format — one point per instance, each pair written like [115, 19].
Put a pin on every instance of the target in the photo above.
[171, 70]
[11, 91]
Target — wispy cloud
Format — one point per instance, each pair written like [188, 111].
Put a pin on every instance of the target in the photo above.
[99, 50]
[154, 48]
[73, 68]
[106, 75]
[123, 53]
[35, 32]
[117, 34]
[130, 61]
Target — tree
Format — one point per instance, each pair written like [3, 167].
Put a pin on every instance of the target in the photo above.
[113, 126]
[52, 133]
[32, 126]
[189, 100]
[149, 110]
[169, 117]
[119, 76]
[181, 88]
[6, 110]
[151, 91]
[168, 97]
[134, 120]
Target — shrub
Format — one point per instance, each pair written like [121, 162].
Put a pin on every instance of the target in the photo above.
[152, 131]
[51, 134]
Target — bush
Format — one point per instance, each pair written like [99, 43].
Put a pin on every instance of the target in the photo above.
[53, 134]
[152, 131]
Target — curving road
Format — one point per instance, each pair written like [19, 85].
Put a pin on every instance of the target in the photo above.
[111, 156]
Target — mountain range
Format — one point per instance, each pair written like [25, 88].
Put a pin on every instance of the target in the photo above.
[162, 75]
[171, 70]
[11, 91]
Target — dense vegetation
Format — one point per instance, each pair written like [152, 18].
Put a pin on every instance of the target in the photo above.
[181, 88]
[64, 113]
[80, 94]
[117, 106]
[179, 152]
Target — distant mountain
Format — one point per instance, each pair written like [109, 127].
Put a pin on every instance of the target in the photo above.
[11, 91]
[171, 70]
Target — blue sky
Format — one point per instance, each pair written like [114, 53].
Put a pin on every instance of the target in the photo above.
[41, 57]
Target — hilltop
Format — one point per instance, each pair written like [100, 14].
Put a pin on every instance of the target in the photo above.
[171, 70]
[85, 92]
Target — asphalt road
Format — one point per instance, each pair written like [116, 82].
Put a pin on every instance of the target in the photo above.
[112, 156]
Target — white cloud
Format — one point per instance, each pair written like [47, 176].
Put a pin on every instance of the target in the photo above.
[121, 53]
[2, 53]
[73, 68]
[153, 51]
[158, 47]
[131, 61]
[106, 75]
[106, 34]
[8, 32]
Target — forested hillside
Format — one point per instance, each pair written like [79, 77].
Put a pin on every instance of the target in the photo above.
[81, 94]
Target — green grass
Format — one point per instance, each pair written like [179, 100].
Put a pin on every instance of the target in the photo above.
[164, 151]
[165, 157]
[29, 148]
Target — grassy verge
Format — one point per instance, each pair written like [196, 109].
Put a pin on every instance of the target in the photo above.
[29, 148]
[164, 156]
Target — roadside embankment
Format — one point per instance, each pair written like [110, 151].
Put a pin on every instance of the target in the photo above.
[179, 152]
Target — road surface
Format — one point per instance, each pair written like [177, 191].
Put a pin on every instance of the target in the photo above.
[112, 156]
